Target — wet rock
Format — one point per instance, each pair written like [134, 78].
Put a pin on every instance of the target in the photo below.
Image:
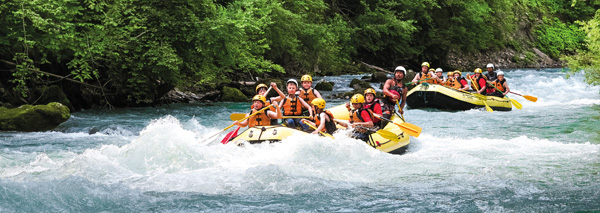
[33, 118]
[50, 94]
[357, 84]
[324, 85]
[233, 95]
[378, 77]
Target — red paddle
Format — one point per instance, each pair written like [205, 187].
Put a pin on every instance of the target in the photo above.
[230, 135]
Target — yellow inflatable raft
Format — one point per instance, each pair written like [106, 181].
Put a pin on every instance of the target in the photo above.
[446, 98]
[259, 134]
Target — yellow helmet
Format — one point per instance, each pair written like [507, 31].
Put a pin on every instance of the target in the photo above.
[357, 99]
[370, 90]
[319, 103]
[306, 78]
[478, 70]
[431, 70]
[425, 64]
[260, 98]
[450, 73]
[456, 71]
[261, 86]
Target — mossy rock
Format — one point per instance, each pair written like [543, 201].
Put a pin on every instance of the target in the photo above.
[34, 118]
[359, 85]
[378, 77]
[233, 95]
[325, 86]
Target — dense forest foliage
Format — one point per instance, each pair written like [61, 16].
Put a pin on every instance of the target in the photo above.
[131, 52]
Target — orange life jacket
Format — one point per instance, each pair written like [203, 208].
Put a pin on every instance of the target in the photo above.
[457, 84]
[439, 81]
[329, 124]
[500, 85]
[260, 119]
[292, 107]
[355, 116]
[475, 85]
[424, 76]
[307, 95]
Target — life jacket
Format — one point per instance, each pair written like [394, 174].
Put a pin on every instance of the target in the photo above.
[292, 107]
[424, 76]
[475, 85]
[307, 95]
[330, 126]
[500, 85]
[355, 117]
[440, 81]
[260, 119]
[386, 103]
[457, 83]
[372, 106]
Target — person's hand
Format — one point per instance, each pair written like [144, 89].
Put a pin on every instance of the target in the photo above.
[236, 123]
[401, 111]
[396, 97]
[314, 132]
[273, 84]
[311, 117]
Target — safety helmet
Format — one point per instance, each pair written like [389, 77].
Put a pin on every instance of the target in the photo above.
[450, 73]
[490, 65]
[478, 70]
[306, 78]
[439, 70]
[400, 68]
[431, 70]
[260, 98]
[319, 102]
[456, 71]
[391, 98]
[261, 86]
[500, 73]
[357, 99]
[292, 81]
[425, 64]
[370, 90]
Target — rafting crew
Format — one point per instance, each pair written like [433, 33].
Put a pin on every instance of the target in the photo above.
[425, 76]
[360, 118]
[440, 76]
[459, 83]
[263, 118]
[292, 104]
[374, 104]
[394, 91]
[478, 83]
[499, 86]
[323, 118]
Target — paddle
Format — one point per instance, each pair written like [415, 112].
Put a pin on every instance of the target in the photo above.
[409, 83]
[384, 133]
[410, 129]
[237, 116]
[240, 120]
[487, 107]
[528, 97]
[513, 101]
[230, 135]
[315, 128]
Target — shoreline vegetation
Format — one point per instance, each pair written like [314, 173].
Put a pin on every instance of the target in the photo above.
[125, 53]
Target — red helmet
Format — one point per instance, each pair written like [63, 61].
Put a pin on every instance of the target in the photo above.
[392, 98]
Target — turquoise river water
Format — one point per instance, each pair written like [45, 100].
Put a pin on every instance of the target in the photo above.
[543, 158]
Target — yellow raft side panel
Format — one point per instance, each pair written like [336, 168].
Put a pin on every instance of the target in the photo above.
[476, 99]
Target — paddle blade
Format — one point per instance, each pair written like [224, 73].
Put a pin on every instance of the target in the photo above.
[237, 116]
[530, 98]
[230, 135]
[487, 107]
[410, 129]
[388, 135]
[516, 103]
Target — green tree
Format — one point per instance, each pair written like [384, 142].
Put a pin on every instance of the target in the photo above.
[588, 60]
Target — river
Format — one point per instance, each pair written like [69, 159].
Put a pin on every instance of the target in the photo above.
[543, 158]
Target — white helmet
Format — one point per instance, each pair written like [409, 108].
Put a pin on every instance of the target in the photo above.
[439, 70]
[500, 73]
[490, 65]
[292, 81]
[400, 68]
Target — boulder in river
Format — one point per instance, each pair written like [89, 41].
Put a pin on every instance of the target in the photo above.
[324, 85]
[33, 118]
[233, 95]
[359, 85]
